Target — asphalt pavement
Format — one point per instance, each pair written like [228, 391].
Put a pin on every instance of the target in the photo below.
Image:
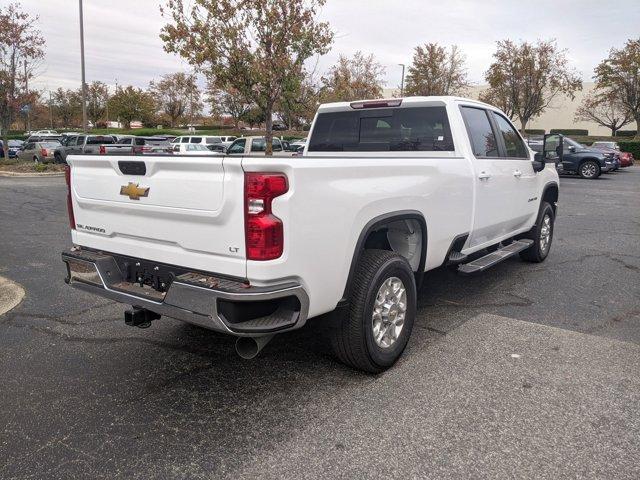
[525, 371]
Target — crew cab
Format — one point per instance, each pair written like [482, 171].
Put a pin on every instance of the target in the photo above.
[81, 144]
[252, 246]
[133, 145]
[587, 162]
[256, 146]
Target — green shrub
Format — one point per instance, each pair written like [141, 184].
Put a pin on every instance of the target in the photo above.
[213, 127]
[626, 133]
[631, 147]
[535, 131]
[570, 131]
[40, 167]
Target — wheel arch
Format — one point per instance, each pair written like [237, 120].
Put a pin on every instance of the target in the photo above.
[375, 225]
[550, 194]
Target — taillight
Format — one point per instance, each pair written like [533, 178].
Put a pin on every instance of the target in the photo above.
[263, 230]
[103, 150]
[67, 178]
[43, 152]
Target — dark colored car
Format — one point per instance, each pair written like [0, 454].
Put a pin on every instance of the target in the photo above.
[14, 148]
[587, 162]
[610, 152]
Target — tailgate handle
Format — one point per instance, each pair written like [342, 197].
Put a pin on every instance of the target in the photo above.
[132, 168]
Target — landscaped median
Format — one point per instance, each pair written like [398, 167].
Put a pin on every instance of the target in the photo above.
[30, 169]
[11, 294]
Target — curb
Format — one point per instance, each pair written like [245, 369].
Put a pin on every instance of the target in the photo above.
[31, 175]
[11, 294]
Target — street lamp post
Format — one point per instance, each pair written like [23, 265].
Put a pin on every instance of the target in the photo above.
[84, 83]
[402, 81]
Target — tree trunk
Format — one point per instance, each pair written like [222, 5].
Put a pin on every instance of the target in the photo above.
[268, 123]
[5, 142]
[523, 122]
[637, 137]
[613, 131]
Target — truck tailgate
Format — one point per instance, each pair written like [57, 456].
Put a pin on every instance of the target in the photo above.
[185, 211]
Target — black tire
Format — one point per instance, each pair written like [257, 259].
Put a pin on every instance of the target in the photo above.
[535, 253]
[352, 337]
[589, 170]
[58, 158]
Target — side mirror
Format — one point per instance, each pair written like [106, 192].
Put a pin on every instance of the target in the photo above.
[538, 162]
[572, 149]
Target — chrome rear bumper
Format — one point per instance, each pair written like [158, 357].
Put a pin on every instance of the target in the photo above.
[198, 298]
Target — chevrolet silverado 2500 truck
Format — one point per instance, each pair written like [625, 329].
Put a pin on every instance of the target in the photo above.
[385, 191]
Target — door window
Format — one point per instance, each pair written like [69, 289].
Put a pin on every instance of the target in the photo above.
[258, 145]
[481, 136]
[513, 144]
[79, 141]
[237, 146]
[196, 139]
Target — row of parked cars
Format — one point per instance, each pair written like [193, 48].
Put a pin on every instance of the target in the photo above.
[587, 161]
[50, 147]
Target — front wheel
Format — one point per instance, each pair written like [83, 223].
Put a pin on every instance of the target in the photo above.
[589, 170]
[541, 234]
[381, 313]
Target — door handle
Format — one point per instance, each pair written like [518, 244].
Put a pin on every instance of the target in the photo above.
[517, 173]
[484, 176]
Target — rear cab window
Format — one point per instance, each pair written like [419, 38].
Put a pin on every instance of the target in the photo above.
[419, 128]
[99, 140]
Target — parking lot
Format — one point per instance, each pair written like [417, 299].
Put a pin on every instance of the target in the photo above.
[528, 370]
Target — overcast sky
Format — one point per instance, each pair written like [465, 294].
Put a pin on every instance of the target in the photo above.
[122, 43]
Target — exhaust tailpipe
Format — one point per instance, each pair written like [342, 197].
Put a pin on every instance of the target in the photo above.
[250, 347]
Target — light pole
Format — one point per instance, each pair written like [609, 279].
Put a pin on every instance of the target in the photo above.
[84, 83]
[402, 81]
[50, 111]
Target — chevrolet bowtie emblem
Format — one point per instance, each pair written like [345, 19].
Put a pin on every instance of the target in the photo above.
[133, 191]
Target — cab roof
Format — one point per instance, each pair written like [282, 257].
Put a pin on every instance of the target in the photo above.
[406, 102]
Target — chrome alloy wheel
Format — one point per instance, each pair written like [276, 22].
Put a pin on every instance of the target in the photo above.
[589, 170]
[389, 312]
[545, 234]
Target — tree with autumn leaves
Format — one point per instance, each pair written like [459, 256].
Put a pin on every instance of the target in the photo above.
[21, 48]
[618, 76]
[525, 78]
[253, 47]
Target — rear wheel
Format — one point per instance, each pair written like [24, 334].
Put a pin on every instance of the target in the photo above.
[35, 159]
[589, 170]
[381, 313]
[541, 234]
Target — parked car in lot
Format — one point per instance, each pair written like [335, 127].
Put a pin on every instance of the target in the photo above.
[78, 144]
[605, 145]
[256, 146]
[253, 246]
[193, 149]
[43, 133]
[626, 159]
[214, 143]
[587, 162]
[39, 152]
[15, 146]
[132, 145]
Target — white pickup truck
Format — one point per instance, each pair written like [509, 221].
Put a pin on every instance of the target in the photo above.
[385, 191]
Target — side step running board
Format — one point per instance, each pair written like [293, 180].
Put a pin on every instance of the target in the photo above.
[491, 259]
